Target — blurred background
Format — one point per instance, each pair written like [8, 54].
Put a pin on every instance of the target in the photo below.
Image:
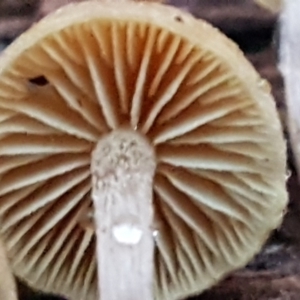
[275, 273]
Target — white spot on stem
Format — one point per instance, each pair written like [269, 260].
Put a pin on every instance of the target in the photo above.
[128, 234]
[155, 233]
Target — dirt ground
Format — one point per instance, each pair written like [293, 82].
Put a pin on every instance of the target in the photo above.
[275, 273]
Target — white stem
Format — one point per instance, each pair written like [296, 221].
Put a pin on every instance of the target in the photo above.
[123, 166]
[290, 68]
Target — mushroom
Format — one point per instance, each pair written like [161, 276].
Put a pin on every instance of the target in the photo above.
[7, 282]
[274, 6]
[133, 128]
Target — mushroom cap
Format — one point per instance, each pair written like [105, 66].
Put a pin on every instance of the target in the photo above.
[273, 6]
[7, 282]
[93, 67]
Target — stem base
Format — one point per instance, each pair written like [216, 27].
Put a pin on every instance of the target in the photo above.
[123, 166]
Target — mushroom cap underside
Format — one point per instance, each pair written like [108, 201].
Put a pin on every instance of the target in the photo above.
[274, 6]
[93, 67]
[8, 289]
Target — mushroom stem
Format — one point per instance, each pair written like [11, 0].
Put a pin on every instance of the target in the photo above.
[123, 166]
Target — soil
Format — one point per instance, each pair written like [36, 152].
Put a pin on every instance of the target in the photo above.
[274, 274]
